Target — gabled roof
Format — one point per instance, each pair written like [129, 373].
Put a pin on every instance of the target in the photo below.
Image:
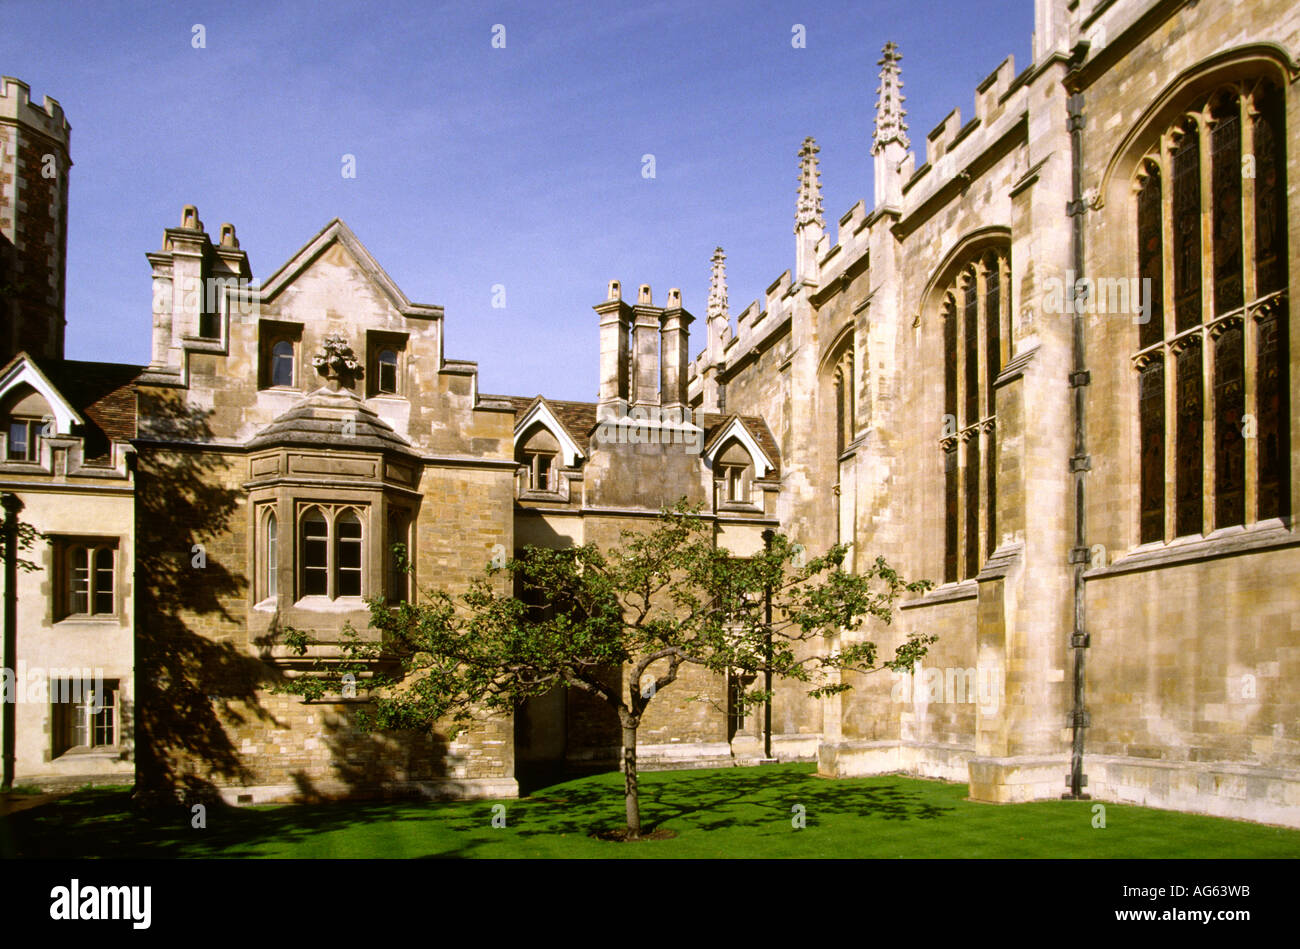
[540, 411]
[96, 397]
[23, 370]
[336, 232]
[580, 419]
[735, 426]
[331, 419]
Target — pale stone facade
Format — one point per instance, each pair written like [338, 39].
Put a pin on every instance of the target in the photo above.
[1190, 682]
[1102, 493]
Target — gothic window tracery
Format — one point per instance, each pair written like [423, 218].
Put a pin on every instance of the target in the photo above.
[1224, 446]
[973, 313]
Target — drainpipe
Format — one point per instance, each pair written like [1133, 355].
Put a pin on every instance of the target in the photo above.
[1080, 463]
[11, 506]
[767, 673]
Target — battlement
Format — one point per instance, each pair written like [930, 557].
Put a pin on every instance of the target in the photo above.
[16, 105]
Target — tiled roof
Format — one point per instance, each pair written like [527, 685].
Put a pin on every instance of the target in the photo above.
[104, 394]
[580, 420]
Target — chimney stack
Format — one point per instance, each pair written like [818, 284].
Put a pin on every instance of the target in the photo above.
[645, 349]
[615, 322]
[674, 335]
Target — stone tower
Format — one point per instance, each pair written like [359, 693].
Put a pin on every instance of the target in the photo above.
[34, 165]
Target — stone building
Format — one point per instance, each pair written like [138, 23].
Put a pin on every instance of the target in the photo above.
[1048, 367]
[974, 381]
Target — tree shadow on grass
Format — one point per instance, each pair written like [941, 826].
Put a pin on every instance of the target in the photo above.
[711, 800]
[100, 822]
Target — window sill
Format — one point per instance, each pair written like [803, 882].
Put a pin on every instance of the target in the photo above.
[323, 604]
[1271, 534]
[99, 751]
[90, 619]
[948, 593]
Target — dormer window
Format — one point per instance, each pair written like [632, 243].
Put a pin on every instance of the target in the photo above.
[539, 471]
[735, 482]
[734, 472]
[24, 435]
[26, 414]
[539, 457]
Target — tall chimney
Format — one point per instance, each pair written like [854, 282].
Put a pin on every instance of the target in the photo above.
[645, 349]
[615, 321]
[674, 337]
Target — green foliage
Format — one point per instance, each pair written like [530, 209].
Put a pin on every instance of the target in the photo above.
[27, 538]
[665, 597]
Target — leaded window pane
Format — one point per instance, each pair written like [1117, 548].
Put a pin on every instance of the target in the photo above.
[951, 515]
[972, 505]
[1229, 445]
[1188, 445]
[1187, 230]
[104, 580]
[1225, 148]
[970, 309]
[348, 554]
[1270, 193]
[315, 555]
[1272, 401]
[1151, 260]
[1151, 411]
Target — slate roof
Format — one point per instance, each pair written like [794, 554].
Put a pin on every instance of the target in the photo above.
[318, 421]
[579, 418]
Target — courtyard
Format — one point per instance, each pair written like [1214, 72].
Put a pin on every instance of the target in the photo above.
[777, 811]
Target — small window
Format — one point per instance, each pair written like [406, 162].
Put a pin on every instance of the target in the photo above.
[540, 471]
[88, 586]
[272, 583]
[347, 555]
[735, 484]
[282, 363]
[84, 714]
[398, 553]
[24, 439]
[387, 375]
[315, 554]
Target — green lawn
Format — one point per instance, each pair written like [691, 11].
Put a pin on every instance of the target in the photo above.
[730, 812]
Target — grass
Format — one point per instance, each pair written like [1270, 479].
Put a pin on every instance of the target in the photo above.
[731, 812]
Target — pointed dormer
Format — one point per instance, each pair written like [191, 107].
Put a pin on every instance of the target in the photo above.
[889, 145]
[809, 224]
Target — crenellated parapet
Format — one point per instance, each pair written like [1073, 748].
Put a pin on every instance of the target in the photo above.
[34, 166]
[16, 106]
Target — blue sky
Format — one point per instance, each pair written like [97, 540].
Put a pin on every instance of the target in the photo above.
[478, 166]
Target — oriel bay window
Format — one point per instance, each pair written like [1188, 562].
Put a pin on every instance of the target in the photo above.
[331, 552]
[1213, 397]
[974, 327]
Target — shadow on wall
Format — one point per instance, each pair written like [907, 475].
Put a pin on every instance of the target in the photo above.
[189, 663]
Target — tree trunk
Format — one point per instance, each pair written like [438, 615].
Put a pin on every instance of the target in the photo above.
[629, 776]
